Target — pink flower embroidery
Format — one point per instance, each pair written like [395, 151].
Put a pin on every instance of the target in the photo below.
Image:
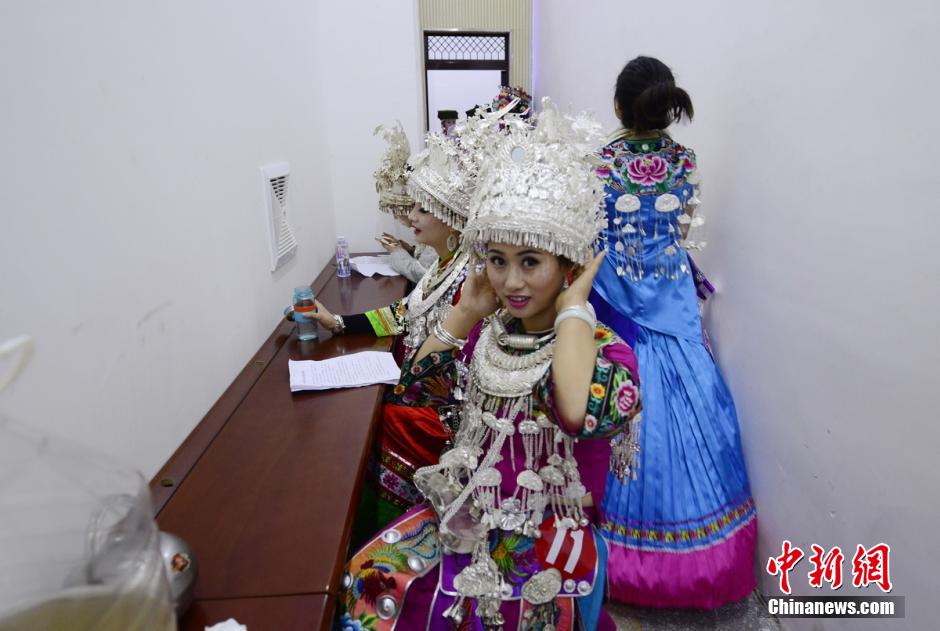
[626, 397]
[647, 170]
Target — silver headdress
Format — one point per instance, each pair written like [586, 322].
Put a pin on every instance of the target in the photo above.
[539, 188]
[391, 178]
[444, 176]
[441, 181]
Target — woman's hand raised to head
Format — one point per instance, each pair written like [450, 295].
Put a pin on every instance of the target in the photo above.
[577, 294]
[575, 352]
[477, 298]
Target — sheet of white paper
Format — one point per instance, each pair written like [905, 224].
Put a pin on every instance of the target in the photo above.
[371, 265]
[347, 371]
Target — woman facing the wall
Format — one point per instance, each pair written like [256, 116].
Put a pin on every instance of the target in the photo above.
[682, 528]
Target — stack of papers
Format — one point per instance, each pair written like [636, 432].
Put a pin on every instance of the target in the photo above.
[371, 265]
[347, 371]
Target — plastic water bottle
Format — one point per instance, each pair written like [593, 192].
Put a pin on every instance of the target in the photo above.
[342, 258]
[304, 303]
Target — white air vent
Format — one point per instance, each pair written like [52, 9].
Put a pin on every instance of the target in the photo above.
[275, 178]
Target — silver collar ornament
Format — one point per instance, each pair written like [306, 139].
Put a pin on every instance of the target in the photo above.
[432, 300]
[465, 487]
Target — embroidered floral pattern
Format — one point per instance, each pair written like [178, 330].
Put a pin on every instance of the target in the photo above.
[645, 166]
[647, 170]
[626, 397]
[615, 367]
[428, 383]
[590, 423]
[649, 186]
[393, 478]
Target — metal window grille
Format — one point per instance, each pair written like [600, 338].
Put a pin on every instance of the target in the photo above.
[467, 47]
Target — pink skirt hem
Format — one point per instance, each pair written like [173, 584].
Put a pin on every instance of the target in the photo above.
[702, 579]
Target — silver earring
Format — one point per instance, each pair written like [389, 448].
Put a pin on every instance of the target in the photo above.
[452, 241]
[565, 284]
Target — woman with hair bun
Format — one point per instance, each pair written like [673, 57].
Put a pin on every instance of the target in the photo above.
[682, 525]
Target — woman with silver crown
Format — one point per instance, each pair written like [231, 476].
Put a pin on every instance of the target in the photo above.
[412, 432]
[417, 421]
[506, 539]
[682, 529]
[391, 183]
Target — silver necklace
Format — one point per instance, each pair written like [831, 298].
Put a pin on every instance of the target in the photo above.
[420, 301]
[519, 341]
[424, 309]
[497, 372]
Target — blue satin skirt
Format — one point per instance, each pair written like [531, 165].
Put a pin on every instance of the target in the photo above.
[682, 534]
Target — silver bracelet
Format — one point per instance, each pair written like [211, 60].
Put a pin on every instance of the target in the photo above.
[445, 336]
[340, 323]
[585, 313]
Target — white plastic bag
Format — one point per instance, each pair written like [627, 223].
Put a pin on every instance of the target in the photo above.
[78, 546]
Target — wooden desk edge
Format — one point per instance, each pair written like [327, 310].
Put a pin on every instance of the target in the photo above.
[194, 446]
[342, 552]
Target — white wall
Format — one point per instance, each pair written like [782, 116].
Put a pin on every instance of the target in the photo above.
[369, 60]
[815, 128]
[132, 240]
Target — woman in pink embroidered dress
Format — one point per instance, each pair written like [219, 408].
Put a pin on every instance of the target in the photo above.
[544, 386]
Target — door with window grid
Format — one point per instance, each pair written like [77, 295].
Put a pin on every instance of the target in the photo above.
[463, 69]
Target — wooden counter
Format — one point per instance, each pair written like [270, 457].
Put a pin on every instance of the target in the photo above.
[265, 487]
